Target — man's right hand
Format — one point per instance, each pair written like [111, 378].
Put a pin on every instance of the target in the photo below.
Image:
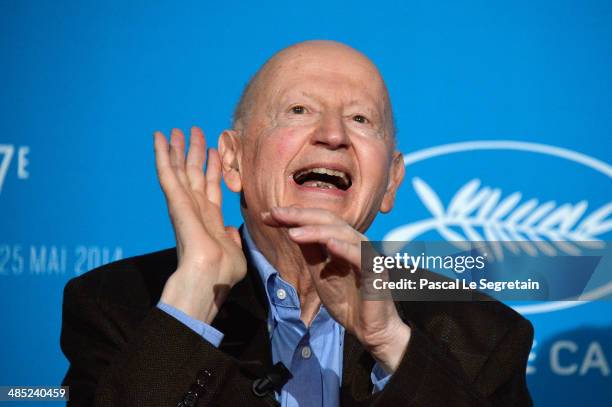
[210, 258]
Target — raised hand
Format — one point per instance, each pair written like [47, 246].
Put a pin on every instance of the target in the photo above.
[210, 258]
[375, 323]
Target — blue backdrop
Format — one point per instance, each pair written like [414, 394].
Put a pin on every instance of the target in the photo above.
[515, 95]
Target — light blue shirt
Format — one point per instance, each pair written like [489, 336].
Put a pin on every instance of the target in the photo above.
[312, 354]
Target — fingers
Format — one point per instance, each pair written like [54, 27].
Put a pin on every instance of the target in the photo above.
[189, 191]
[165, 171]
[179, 202]
[195, 160]
[177, 147]
[340, 240]
[160, 144]
[323, 233]
[312, 225]
[213, 177]
[177, 155]
[294, 216]
[345, 250]
[189, 172]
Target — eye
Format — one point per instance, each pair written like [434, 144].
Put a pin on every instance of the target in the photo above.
[360, 119]
[298, 109]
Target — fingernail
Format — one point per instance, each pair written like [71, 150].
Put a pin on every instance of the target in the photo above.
[295, 232]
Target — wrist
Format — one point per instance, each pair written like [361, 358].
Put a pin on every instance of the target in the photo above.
[198, 299]
[390, 350]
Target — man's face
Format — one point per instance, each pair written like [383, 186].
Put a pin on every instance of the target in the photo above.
[318, 136]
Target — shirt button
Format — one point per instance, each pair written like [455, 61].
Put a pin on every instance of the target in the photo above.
[306, 352]
[281, 294]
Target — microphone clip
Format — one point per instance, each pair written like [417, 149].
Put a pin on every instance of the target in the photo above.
[273, 380]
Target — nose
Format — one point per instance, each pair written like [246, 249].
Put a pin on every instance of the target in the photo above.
[331, 132]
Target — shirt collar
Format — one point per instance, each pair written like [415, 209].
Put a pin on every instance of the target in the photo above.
[270, 278]
[287, 308]
[263, 266]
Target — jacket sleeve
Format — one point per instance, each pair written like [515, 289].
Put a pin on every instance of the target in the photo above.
[121, 357]
[429, 376]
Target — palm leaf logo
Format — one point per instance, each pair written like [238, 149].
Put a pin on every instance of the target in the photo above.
[476, 214]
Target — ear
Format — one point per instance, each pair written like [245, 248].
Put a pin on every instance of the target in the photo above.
[230, 150]
[396, 175]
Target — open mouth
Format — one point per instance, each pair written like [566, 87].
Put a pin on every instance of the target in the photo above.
[324, 178]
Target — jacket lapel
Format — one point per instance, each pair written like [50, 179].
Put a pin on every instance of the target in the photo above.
[243, 321]
[356, 368]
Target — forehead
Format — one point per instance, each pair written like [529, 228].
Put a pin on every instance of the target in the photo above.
[351, 78]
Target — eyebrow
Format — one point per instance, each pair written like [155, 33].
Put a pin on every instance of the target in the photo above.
[352, 102]
[308, 95]
[290, 94]
[370, 108]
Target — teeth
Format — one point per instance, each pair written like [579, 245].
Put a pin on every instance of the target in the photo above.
[319, 184]
[327, 171]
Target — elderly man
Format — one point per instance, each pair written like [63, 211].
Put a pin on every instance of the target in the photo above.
[312, 153]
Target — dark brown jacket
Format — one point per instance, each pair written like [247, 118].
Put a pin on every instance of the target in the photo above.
[123, 351]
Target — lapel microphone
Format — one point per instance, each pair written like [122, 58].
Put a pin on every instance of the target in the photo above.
[273, 380]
